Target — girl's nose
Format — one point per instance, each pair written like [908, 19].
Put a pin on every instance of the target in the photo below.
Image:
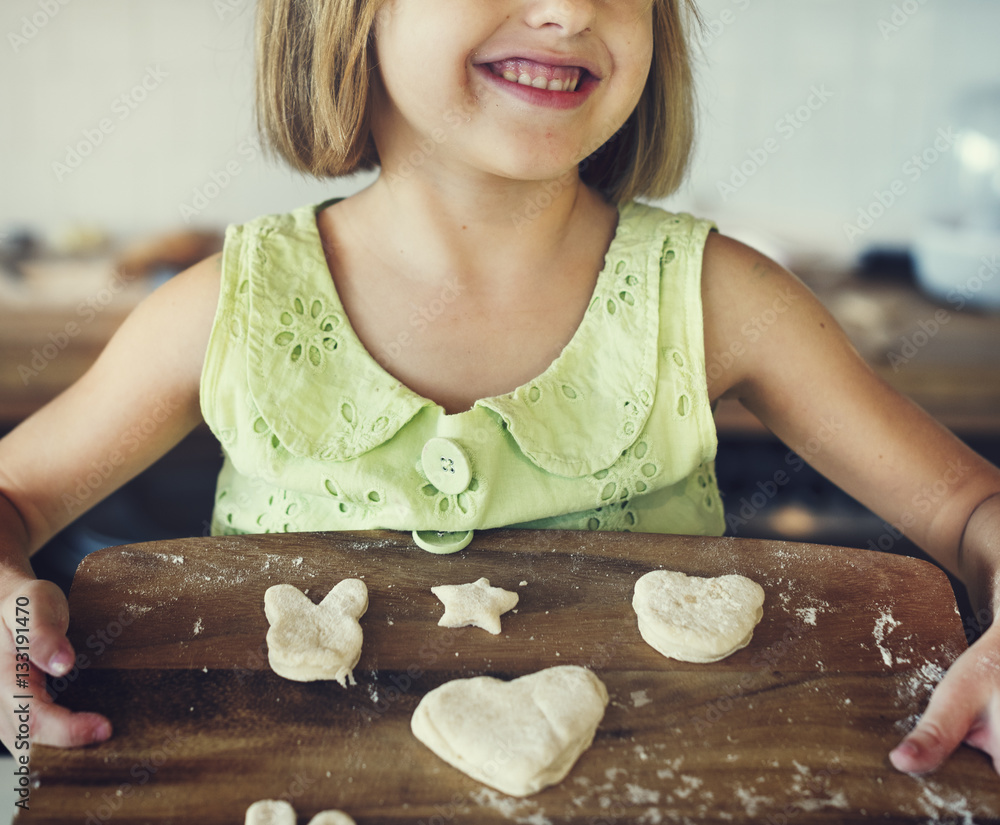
[573, 16]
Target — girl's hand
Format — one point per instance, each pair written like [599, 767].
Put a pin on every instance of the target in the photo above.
[964, 707]
[38, 612]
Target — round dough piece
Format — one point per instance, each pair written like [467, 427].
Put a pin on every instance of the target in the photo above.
[270, 812]
[280, 812]
[695, 619]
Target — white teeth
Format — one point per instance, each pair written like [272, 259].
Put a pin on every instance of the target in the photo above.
[523, 78]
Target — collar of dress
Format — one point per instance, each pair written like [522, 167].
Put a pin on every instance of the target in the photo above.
[575, 419]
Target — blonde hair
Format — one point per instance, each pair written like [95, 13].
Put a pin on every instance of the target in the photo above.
[315, 64]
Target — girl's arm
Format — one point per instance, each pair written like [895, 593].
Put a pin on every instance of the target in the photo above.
[799, 374]
[137, 401]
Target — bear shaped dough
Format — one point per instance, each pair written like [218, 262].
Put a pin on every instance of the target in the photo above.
[518, 736]
[309, 641]
[696, 619]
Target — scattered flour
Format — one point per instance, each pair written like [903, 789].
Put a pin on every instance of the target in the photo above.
[807, 615]
[752, 802]
[885, 620]
[636, 795]
[815, 791]
[935, 803]
[612, 773]
[673, 765]
[136, 610]
[521, 811]
[920, 682]
[640, 698]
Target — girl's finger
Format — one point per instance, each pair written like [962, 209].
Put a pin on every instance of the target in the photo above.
[59, 727]
[41, 608]
[956, 708]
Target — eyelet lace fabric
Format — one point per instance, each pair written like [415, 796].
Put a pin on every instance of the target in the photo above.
[616, 434]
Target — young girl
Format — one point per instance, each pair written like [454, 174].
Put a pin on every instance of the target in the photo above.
[493, 333]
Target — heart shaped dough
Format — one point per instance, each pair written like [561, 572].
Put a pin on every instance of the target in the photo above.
[697, 619]
[309, 641]
[279, 812]
[518, 736]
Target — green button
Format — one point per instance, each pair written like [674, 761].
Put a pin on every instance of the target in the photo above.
[446, 466]
[442, 543]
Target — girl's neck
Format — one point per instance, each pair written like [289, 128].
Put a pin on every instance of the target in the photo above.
[484, 232]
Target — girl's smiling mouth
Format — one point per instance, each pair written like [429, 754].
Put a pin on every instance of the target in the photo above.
[539, 83]
[538, 75]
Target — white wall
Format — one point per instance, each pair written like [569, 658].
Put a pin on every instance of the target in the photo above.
[890, 93]
[892, 88]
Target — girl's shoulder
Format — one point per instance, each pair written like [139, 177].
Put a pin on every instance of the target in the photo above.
[758, 316]
[182, 312]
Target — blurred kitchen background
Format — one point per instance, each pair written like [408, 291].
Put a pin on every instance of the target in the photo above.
[857, 141]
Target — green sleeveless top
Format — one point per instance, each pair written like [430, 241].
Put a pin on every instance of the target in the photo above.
[617, 433]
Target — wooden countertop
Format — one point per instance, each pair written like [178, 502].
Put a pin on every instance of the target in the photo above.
[796, 725]
[946, 360]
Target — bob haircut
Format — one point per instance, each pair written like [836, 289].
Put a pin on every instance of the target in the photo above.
[316, 58]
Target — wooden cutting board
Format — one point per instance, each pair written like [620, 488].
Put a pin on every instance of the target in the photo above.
[794, 728]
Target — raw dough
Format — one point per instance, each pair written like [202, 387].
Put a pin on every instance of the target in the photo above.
[279, 812]
[518, 736]
[332, 818]
[309, 641]
[270, 812]
[697, 619]
[475, 604]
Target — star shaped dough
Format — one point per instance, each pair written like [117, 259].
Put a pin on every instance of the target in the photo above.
[475, 604]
